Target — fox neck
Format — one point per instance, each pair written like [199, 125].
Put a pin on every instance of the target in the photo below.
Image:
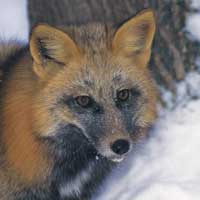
[23, 153]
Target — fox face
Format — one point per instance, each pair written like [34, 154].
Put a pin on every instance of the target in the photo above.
[94, 84]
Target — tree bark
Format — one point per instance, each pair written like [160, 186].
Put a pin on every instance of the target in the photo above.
[173, 54]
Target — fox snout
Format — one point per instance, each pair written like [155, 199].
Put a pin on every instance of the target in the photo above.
[115, 146]
[120, 146]
[116, 150]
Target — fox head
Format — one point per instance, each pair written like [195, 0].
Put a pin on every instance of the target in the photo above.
[94, 83]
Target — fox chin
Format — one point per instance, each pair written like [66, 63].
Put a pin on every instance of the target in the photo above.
[73, 105]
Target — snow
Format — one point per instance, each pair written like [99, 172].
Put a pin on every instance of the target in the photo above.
[167, 165]
[192, 21]
[194, 25]
[195, 4]
[13, 20]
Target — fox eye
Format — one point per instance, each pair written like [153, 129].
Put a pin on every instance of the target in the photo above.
[83, 101]
[123, 95]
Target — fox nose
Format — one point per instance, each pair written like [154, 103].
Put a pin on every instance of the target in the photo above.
[120, 146]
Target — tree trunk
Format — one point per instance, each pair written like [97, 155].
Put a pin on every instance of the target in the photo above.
[173, 54]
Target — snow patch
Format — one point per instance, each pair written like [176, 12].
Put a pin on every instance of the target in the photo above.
[14, 20]
[192, 21]
[195, 4]
[193, 26]
[187, 90]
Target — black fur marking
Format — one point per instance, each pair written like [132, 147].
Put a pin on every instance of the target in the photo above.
[89, 84]
[42, 49]
[130, 102]
[129, 108]
[117, 78]
[74, 153]
[91, 118]
[37, 193]
[45, 52]
[94, 107]
[7, 65]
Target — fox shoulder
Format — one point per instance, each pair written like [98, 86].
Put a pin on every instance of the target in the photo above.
[9, 52]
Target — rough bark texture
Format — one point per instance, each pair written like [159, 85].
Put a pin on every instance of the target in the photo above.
[173, 54]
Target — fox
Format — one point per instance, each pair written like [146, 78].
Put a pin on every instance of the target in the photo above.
[74, 102]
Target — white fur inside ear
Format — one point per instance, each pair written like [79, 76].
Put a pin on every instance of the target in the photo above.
[14, 20]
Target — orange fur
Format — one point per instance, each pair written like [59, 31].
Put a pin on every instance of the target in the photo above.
[23, 153]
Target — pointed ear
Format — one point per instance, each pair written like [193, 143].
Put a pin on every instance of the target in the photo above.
[50, 45]
[135, 36]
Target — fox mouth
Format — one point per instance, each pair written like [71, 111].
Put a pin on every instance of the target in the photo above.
[117, 159]
[115, 151]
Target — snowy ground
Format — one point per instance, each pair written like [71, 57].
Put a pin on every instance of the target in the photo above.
[167, 166]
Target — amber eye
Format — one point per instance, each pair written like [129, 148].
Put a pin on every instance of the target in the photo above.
[123, 95]
[83, 101]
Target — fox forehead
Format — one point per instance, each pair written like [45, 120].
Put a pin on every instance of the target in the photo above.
[99, 80]
[99, 66]
[92, 39]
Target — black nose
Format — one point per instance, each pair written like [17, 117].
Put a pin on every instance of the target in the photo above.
[120, 146]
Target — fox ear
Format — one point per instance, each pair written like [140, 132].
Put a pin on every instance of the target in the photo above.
[135, 36]
[47, 45]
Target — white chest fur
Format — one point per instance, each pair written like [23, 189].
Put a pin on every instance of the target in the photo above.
[75, 186]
